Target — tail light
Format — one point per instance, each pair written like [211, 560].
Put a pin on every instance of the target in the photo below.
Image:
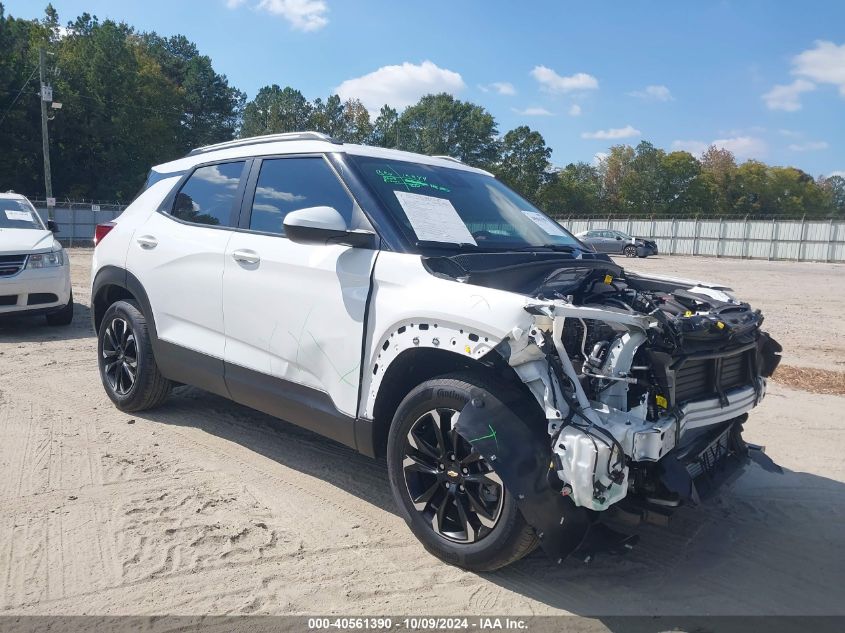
[102, 230]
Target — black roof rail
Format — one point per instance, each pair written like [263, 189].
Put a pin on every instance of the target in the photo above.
[268, 138]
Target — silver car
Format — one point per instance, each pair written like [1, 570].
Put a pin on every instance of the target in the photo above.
[610, 241]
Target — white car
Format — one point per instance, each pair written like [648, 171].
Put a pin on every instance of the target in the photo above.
[415, 308]
[34, 268]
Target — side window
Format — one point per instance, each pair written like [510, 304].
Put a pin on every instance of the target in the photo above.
[289, 184]
[208, 196]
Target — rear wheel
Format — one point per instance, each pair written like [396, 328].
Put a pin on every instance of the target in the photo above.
[630, 251]
[451, 498]
[125, 355]
[63, 316]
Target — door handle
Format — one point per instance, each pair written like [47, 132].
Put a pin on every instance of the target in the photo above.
[245, 256]
[147, 242]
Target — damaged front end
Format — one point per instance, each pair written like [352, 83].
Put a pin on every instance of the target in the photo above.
[645, 383]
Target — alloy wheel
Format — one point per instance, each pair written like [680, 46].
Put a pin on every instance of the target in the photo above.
[449, 482]
[120, 356]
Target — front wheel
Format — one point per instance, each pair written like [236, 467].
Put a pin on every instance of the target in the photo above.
[127, 366]
[448, 494]
[630, 251]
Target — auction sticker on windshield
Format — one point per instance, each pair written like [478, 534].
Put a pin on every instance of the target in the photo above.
[19, 216]
[434, 219]
[548, 225]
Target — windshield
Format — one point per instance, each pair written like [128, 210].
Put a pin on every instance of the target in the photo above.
[438, 207]
[18, 214]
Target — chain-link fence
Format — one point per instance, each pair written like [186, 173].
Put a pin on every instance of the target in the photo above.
[77, 220]
[789, 239]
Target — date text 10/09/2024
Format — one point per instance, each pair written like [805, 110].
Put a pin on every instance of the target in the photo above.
[418, 624]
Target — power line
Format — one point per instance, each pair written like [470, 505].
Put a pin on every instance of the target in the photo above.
[18, 96]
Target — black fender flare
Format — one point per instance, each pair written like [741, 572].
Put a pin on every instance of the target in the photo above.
[122, 278]
[520, 454]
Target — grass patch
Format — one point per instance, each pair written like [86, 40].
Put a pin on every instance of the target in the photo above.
[823, 381]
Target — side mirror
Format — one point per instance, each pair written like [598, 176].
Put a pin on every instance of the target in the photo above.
[52, 226]
[618, 238]
[324, 225]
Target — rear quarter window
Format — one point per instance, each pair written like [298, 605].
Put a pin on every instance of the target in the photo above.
[210, 195]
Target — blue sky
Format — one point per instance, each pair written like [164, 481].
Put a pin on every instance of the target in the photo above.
[765, 79]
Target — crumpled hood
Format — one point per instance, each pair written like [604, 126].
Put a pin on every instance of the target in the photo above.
[14, 241]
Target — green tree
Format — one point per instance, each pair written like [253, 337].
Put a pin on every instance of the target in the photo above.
[20, 114]
[642, 189]
[574, 190]
[211, 108]
[120, 114]
[523, 161]
[328, 117]
[613, 170]
[684, 190]
[718, 171]
[357, 125]
[275, 110]
[386, 128]
[833, 188]
[442, 125]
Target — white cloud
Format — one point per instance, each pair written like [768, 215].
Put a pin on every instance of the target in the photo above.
[400, 85]
[550, 81]
[840, 173]
[742, 147]
[599, 158]
[824, 64]
[787, 97]
[653, 93]
[809, 146]
[574, 110]
[613, 133]
[693, 147]
[303, 15]
[215, 176]
[533, 112]
[503, 88]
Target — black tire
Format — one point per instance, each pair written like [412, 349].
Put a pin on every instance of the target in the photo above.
[630, 251]
[508, 539]
[63, 316]
[147, 388]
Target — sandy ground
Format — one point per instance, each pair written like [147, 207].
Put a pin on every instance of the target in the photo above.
[803, 302]
[203, 506]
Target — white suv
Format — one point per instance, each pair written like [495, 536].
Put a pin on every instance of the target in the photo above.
[34, 268]
[413, 307]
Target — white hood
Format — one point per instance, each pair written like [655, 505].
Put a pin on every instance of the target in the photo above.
[14, 241]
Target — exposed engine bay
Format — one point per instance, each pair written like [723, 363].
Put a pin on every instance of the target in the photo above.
[644, 381]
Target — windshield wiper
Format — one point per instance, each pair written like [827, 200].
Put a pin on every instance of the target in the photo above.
[558, 248]
[449, 246]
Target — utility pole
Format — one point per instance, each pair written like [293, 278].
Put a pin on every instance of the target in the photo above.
[45, 95]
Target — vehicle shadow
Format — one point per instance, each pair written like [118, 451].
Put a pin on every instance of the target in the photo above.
[769, 544]
[34, 329]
